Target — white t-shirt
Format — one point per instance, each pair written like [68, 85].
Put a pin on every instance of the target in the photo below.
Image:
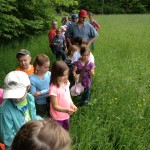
[77, 55]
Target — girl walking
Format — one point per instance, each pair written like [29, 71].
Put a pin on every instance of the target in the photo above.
[61, 104]
[40, 82]
[86, 77]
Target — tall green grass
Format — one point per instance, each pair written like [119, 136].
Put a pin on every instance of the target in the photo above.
[118, 114]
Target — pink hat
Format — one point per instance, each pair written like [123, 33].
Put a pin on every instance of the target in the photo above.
[83, 13]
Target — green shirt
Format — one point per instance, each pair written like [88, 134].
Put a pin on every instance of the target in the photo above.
[24, 107]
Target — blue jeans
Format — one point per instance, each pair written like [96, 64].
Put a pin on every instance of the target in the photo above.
[61, 55]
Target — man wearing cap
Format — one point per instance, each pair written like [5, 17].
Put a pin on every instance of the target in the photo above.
[18, 106]
[81, 29]
[52, 33]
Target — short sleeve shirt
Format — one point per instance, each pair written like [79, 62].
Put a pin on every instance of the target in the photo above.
[86, 78]
[87, 31]
[63, 99]
[77, 56]
[28, 72]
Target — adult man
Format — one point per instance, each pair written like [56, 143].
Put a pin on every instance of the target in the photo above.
[81, 29]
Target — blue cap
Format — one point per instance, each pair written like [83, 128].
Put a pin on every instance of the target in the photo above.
[74, 16]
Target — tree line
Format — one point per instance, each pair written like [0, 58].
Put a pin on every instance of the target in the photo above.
[116, 6]
[21, 18]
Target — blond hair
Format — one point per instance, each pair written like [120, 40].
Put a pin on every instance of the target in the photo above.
[41, 135]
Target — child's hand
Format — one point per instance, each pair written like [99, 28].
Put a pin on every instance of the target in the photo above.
[70, 111]
[73, 107]
[36, 94]
[92, 72]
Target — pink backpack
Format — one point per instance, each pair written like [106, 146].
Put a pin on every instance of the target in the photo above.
[1, 95]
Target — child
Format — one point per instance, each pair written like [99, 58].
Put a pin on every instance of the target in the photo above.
[59, 45]
[40, 82]
[61, 104]
[63, 30]
[1, 95]
[65, 21]
[86, 78]
[18, 106]
[79, 42]
[94, 24]
[72, 49]
[52, 33]
[41, 135]
[24, 59]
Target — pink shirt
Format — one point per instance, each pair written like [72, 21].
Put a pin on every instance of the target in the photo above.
[63, 99]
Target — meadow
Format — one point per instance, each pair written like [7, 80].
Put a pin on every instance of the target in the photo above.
[118, 115]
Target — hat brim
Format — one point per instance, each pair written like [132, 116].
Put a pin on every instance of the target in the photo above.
[82, 16]
[14, 93]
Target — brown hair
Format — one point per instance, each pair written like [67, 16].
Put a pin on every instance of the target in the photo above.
[41, 135]
[40, 60]
[84, 49]
[57, 70]
[91, 14]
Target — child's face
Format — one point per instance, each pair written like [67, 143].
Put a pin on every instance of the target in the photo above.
[58, 33]
[44, 68]
[91, 17]
[85, 56]
[20, 99]
[64, 77]
[24, 61]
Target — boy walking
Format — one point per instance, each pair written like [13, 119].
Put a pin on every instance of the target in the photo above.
[18, 106]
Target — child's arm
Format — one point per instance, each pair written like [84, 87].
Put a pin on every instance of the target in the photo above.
[59, 108]
[73, 106]
[65, 45]
[92, 72]
[74, 70]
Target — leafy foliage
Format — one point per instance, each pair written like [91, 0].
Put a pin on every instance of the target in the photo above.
[28, 17]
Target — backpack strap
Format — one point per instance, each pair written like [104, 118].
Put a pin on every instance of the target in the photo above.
[83, 70]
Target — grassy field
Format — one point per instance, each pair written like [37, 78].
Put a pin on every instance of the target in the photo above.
[118, 116]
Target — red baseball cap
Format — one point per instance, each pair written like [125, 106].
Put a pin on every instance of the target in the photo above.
[83, 13]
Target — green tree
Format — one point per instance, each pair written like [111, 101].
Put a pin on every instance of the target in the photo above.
[28, 17]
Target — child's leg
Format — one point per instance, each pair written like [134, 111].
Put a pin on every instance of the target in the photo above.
[64, 123]
[42, 110]
[63, 55]
[58, 56]
[86, 96]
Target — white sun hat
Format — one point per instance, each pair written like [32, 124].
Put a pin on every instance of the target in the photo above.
[15, 84]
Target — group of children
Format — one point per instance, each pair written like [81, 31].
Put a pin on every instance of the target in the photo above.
[32, 91]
